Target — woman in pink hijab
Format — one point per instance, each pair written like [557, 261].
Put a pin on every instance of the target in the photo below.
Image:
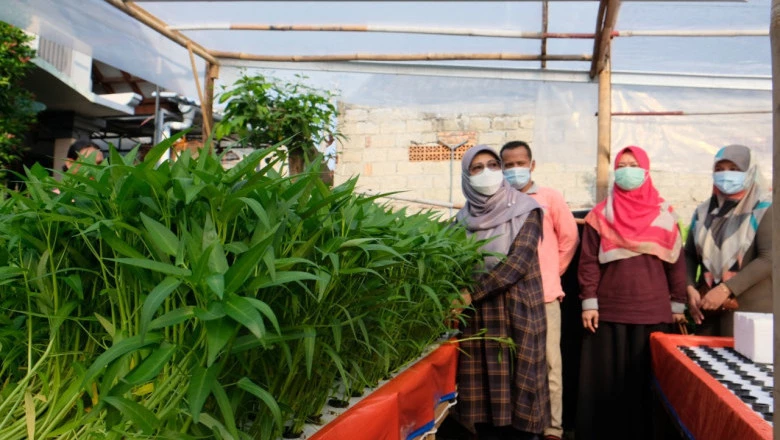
[633, 282]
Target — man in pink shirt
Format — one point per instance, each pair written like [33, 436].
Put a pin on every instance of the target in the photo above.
[559, 242]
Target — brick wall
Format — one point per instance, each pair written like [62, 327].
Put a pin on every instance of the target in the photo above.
[377, 149]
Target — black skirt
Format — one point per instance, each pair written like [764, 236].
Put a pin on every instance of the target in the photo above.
[614, 390]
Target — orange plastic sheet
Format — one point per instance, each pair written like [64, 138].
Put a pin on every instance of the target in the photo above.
[402, 408]
[704, 407]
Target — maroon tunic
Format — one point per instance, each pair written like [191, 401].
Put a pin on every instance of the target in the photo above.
[636, 290]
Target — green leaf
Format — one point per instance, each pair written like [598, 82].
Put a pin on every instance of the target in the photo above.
[247, 385]
[259, 211]
[118, 245]
[309, 338]
[173, 317]
[216, 283]
[265, 309]
[244, 266]
[118, 350]
[243, 311]
[164, 268]
[218, 333]
[160, 235]
[107, 325]
[140, 416]
[215, 425]
[150, 367]
[200, 388]
[156, 297]
[223, 402]
[282, 278]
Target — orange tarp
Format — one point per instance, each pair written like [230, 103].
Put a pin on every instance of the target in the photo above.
[704, 406]
[403, 407]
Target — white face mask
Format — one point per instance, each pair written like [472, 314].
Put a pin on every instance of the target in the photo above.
[487, 182]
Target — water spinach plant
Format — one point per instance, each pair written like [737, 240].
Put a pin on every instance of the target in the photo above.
[186, 301]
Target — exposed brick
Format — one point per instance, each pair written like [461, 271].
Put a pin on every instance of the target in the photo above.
[367, 170]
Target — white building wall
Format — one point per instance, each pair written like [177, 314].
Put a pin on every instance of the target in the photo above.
[377, 149]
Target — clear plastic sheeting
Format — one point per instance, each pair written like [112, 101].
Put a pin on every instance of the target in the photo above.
[688, 142]
[103, 32]
[712, 55]
[565, 128]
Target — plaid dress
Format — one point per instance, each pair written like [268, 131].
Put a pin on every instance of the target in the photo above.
[495, 385]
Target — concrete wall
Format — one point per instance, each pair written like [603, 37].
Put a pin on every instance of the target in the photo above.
[377, 149]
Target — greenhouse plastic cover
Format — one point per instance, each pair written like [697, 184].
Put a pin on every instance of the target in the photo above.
[99, 29]
[562, 97]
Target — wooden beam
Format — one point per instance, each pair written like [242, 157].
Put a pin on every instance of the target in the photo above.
[101, 80]
[545, 20]
[212, 73]
[400, 57]
[608, 13]
[206, 122]
[604, 132]
[133, 84]
[774, 31]
[145, 17]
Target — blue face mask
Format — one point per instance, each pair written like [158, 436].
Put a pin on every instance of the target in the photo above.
[629, 178]
[729, 182]
[518, 177]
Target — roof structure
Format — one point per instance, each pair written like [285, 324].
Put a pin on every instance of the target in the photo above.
[182, 44]
[688, 43]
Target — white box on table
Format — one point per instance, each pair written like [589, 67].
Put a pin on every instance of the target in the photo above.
[753, 336]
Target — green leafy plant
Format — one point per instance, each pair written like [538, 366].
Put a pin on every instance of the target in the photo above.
[17, 112]
[264, 111]
[188, 301]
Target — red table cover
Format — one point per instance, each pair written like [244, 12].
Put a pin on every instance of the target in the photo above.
[403, 407]
[703, 405]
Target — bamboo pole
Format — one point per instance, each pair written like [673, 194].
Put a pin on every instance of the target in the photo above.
[774, 27]
[495, 33]
[604, 132]
[212, 73]
[545, 21]
[161, 27]
[600, 15]
[400, 57]
[693, 33]
[203, 113]
[602, 54]
[682, 113]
